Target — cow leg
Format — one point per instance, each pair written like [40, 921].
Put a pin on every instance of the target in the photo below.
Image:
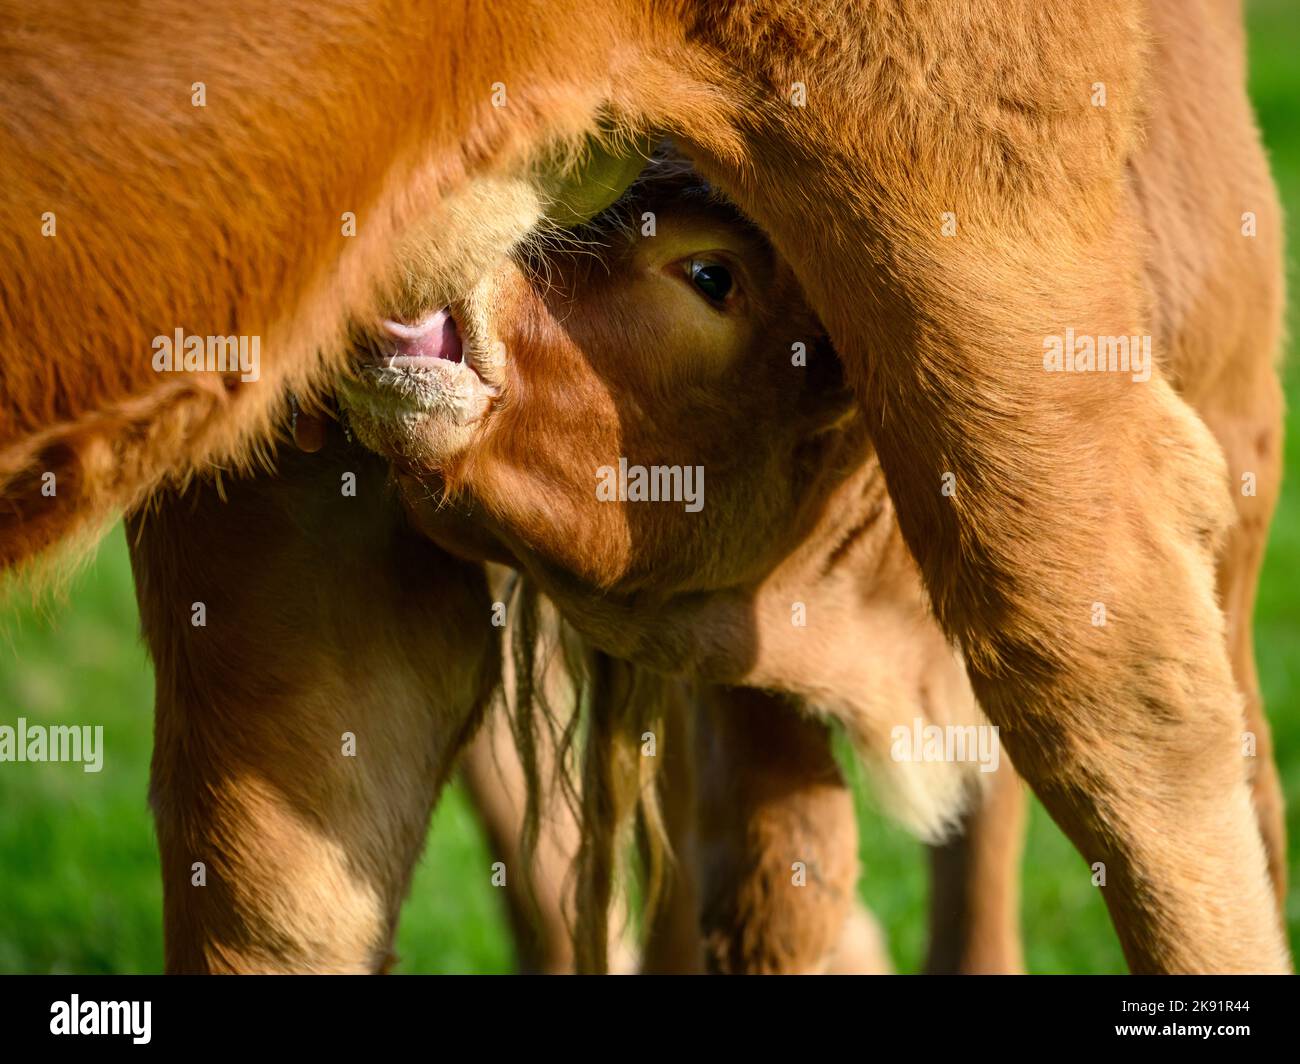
[1082, 593]
[1250, 431]
[1066, 520]
[975, 885]
[1081, 587]
[318, 667]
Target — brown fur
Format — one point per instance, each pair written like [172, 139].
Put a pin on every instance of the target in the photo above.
[307, 852]
[778, 835]
[1130, 734]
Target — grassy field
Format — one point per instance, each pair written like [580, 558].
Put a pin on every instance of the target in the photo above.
[79, 882]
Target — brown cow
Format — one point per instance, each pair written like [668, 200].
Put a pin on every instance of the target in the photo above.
[954, 188]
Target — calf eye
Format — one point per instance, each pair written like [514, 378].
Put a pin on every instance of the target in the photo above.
[711, 278]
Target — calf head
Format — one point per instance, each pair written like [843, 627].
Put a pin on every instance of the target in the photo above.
[647, 418]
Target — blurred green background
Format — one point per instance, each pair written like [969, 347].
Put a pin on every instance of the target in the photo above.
[79, 880]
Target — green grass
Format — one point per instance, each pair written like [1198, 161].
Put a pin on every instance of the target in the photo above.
[79, 882]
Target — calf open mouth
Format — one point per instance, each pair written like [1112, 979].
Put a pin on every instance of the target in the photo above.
[437, 347]
[415, 345]
[436, 366]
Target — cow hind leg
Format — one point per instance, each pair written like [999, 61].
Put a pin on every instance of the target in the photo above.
[1252, 442]
[975, 885]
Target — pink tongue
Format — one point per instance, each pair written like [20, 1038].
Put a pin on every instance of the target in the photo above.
[434, 337]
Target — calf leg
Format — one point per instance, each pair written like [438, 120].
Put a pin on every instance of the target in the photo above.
[536, 891]
[777, 837]
[672, 938]
[318, 666]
